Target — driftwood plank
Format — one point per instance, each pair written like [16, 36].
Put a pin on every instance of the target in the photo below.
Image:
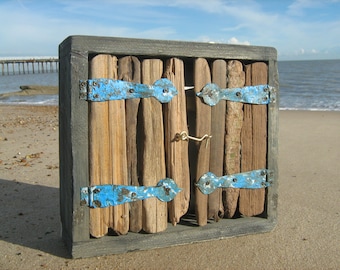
[252, 201]
[153, 169]
[247, 130]
[130, 70]
[119, 215]
[234, 120]
[177, 159]
[219, 76]
[203, 127]
[99, 146]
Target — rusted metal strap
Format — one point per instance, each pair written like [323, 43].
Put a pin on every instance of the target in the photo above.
[106, 89]
[259, 94]
[164, 90]
[253, 180]
[101, 196]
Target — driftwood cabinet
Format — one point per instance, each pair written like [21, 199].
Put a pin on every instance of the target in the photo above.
[165, 143]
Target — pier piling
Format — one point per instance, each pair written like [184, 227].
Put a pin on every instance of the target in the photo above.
[26, 66]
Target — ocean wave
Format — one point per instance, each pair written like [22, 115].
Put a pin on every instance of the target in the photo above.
[309, 109]
[50, 100]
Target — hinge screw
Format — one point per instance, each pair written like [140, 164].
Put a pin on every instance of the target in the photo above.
[82, 84]
[167, 190]
[97, 203]
[82, 202]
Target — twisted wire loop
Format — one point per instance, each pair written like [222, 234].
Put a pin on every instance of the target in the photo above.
[184, 136]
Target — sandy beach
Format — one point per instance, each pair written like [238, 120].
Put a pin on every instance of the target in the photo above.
[307, 235]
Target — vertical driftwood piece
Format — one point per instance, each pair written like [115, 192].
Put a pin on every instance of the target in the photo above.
[99, 146]
[203, 127]
[177, 159]
[129, 70]
[247, 130]
[119, 215]
[219, 76]
[153, 169]
[252, 201]
[234, 120]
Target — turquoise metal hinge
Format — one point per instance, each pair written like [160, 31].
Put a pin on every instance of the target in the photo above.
[252, 180]
[259, 94]
[101, 196]
[106, 89]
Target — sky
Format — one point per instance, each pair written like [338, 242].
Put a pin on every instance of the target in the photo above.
[298, 29]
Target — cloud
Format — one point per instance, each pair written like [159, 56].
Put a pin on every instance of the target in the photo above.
[234, 40]
[36, 31]
[40, 27]
[297, 7]
[300, 7]
[234, 28]
[205, 39]
[160, 33]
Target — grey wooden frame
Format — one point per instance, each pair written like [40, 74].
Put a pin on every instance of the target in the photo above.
[74, 54]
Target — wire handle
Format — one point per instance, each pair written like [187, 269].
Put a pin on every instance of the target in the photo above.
[184, 136]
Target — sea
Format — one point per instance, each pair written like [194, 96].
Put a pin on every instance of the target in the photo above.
[312, 85]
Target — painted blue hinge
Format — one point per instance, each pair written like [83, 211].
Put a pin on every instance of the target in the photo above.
[106, 89]
[101, 196]
[253, 179]
[259, 94]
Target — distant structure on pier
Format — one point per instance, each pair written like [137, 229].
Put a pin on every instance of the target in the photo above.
[27, 66]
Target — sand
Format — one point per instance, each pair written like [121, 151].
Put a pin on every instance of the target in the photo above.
[29, 90]
[307, 235]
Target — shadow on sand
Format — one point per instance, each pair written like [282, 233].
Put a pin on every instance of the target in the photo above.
[30, 217]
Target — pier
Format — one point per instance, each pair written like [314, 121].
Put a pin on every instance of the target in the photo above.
[27, 66]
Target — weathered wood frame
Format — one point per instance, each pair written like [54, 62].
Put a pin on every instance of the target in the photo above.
[74, 53]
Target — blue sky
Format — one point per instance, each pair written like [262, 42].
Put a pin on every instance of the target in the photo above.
[298, 29]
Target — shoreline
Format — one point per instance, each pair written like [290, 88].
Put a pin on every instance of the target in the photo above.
[57, 105]
[33, 90]
[306, 236]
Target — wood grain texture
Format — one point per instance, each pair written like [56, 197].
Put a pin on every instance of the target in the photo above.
[153, 169]
[168, 48]
[119, 215]
[203, 126]
[99, 146]
[271, 200]
[234, 121]
[177, 159]
[247, 130]
[130, 70]
[174, 235]
[219, 77]
[252, 201]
